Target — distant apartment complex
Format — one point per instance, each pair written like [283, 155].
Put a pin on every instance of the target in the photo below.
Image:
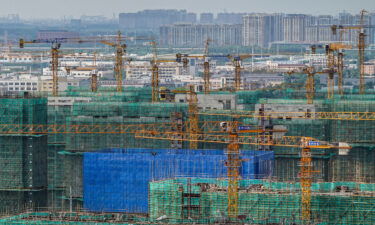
[196, 34]
[153, 19]
[261, 29]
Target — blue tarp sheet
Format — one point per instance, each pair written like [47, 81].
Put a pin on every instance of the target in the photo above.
[116, 180]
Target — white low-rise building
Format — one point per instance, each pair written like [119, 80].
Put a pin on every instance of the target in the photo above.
[139, 70]
[16, 57]
[21, 83]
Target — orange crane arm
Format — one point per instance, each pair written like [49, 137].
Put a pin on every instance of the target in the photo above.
[80, 128]
[266, 140]
[356, 116]
[207, 127]
[108, 43]
[245, 56]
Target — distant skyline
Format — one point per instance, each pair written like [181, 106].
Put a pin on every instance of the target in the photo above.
[30, 9]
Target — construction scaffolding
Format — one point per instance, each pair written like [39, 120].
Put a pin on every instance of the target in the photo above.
[65, 174]
[195, 200]
[23, 174]
[133, 107]
[76, 218]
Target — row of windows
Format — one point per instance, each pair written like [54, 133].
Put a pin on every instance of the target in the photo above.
[83, 74]
[22, 89]
[19, 83]
[20, 59]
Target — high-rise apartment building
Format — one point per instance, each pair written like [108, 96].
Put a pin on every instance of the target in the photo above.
[260, 29]
[324, 20]
[346, 18]
[371, 32]
[194, 35]
[294, 27]
[256, 30]
[229, 18]
[277, 27]
[153, 19]
[312, 34]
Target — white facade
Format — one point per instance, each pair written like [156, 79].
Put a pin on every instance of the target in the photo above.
[21, 83]
[142, 70]
[11, 57]
[255, 30]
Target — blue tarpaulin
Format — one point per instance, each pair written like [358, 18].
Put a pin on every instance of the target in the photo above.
[116, 180]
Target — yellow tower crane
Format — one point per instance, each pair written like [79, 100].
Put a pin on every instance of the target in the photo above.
[55, 48]
[361, 46]
[120, 48]
[338, 63]
[193, 122]
[236, 60]
[155, 82]
[310, 82]
[334, 64]
[206, 64]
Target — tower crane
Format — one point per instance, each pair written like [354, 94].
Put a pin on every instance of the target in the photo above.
[55, 48]
[310, 82]
[236, 60]
[361, 46]
[334, 64]
[193, 124]
[339, 48]
[206, 64]
[155, 71]
[120, 52]
[120, 48]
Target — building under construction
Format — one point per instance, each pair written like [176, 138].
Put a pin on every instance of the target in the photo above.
[157, 156]
[98, 157]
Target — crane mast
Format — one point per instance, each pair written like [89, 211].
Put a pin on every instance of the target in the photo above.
[55, 48]
[361, 54]
[340, 71]
[233, 164]
[120, 50]
[206, 68]
[237, 59]
[155, 74]
[310, 85]
[331, 73]
[55, 68]
[193, 127]
[94, 76]
[361, 47]
[237, 75]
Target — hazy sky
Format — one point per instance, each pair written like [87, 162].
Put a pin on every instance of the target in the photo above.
[76, 8]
